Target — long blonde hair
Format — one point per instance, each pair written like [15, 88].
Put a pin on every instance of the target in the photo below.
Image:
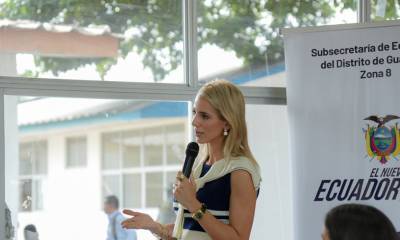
[229, 102]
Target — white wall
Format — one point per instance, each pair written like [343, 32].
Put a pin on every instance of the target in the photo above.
[72, 202]
[268, 137]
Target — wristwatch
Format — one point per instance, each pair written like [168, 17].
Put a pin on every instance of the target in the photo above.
[199, 213]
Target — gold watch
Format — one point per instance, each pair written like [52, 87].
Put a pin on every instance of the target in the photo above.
[199, 213]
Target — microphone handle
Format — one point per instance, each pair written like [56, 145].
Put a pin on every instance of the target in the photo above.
[187, 167]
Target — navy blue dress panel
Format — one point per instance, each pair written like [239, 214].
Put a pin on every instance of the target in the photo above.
[215, 195]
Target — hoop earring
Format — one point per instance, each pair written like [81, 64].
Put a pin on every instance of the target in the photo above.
[225, 132]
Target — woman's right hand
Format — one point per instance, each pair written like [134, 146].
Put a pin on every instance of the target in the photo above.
[138, 221]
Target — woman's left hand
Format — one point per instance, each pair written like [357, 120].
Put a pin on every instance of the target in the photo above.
[185, 192]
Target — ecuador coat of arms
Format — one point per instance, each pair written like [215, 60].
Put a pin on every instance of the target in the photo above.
[382, 141]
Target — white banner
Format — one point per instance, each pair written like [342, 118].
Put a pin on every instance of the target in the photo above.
[343, 85]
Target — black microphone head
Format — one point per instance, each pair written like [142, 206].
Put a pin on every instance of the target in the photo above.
[192, 149]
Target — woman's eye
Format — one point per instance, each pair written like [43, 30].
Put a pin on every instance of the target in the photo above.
[205, 116]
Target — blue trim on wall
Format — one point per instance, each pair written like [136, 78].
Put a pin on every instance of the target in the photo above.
[156, 110]
[263, 72]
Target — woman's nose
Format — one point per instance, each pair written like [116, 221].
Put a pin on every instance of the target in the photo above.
[194, 121]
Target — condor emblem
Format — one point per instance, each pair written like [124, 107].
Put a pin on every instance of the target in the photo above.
[382, 142]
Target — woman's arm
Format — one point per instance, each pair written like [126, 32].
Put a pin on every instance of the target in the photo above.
[241, 210]
[163, 232]
[140, 220]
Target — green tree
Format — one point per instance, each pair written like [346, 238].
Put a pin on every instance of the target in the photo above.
[238, 25]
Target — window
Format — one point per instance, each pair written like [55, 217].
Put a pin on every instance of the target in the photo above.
[95, 40]
[111, 186]
[111, 153]
[76, 152]
[153, 147]
[175, 146]
[240, 40]
[385, 10]
[132, 190]
[135, 162]
[131, 148]
[31, 195]
[154, 189]
[32, 173]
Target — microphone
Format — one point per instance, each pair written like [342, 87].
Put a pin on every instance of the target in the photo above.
[192, 150]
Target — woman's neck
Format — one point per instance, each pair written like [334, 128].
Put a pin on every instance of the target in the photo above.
[215, 154]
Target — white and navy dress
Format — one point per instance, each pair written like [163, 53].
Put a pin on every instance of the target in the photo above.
[213, 184]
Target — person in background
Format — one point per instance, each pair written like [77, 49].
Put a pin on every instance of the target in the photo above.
[9, 228]
[115, 217]
[357, 222]
[30, 232]
[219, 199]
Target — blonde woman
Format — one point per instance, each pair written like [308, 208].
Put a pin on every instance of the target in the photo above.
[219, 199]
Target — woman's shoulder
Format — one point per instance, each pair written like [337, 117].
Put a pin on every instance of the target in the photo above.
[241, 158]
[243, 163]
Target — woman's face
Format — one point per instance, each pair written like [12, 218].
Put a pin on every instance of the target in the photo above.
[208, 126]
[325, 235]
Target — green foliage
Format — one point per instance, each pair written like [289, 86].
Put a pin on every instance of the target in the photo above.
[250, 28]
[57, 65]
[391, 10]
[31, 74]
